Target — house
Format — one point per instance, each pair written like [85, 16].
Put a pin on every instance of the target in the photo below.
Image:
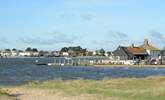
[153, 52]
[108, 54]
[55, 53]
[24, 54]
[94, 53]
[64, 54]
[89, 53]
[34, 54]
[97, 53]
[120, 54]
[14, 53]
[129, 53]
[163, 56]
[73, 51]
[5, 53]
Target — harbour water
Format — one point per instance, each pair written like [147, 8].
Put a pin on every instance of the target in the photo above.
[15, 71]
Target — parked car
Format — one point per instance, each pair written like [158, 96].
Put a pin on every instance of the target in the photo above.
[130, 62]
[153, 62]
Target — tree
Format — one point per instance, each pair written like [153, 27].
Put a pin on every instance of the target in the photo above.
[15, 50]
[20, 50]
[102, 52]
[34, 50]
[78, 48]
[109, 53]
[89, 53]
[28, 49]
[64, 49]
[41, 53]
[97, 53]
[7, 50]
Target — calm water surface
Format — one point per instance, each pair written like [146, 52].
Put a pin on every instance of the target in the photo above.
[15, 71]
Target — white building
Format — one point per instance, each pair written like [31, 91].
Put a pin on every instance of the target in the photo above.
[5, 54]
[25, 54]
[29, 54]
[35, 54]
[14, 53]
[56, 53]
[153, 52]
[65, 54]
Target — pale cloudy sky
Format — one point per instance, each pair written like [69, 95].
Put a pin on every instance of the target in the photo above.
[93, 24]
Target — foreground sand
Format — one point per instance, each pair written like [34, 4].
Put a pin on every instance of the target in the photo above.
[42, 94]
[151, 88]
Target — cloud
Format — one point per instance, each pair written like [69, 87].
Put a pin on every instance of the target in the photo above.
[118, 35]
[106, 44]
[123, 39]
[156, 35]
[67, 16]
[4, 40]
[96, 3]
[50, 39]
[87, 17]
[76, 16]
[157, 38]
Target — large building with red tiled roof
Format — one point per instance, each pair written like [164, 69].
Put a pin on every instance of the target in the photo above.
[130, 53]
[142, 52]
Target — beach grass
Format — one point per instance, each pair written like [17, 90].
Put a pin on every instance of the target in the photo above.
[151, 88]
[3, 92]
[4, 95]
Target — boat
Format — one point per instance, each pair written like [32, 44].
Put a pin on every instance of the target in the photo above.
[41, 64]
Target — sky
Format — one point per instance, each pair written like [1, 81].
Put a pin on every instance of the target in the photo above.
[92, 24]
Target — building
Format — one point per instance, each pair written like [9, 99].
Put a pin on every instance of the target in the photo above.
[29, 54]
[55, 53]
[5, 53]
[14, 53]
[152, 51]
[64, 54]
[24, 54]
[163, 56]
[129, 53]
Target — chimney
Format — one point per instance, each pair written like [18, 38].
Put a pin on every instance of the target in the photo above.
[146, 42]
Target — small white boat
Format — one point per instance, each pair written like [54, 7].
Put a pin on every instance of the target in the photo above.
[51, 64]
[62, 64]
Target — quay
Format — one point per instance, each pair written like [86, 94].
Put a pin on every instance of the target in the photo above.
[76, 61]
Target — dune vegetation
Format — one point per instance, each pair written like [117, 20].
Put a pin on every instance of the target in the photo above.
[4, 95]
[151, 88]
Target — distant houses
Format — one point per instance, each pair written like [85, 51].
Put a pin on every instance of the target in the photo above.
[73, 51]
[19, 53]
[143, 54]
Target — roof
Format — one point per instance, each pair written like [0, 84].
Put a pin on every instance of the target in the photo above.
[148, 46]
[129, 51]
[135, 51]
[120, 51]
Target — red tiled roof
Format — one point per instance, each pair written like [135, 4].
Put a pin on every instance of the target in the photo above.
[135, 50]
